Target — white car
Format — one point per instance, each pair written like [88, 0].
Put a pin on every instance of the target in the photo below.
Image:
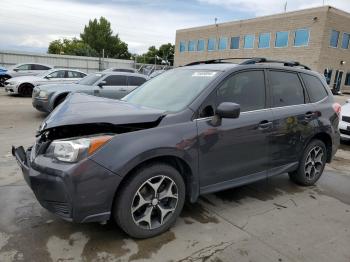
[24, 85]
[344, 125]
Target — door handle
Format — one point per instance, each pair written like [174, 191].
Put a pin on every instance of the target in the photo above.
[265, 124]
[309, 115]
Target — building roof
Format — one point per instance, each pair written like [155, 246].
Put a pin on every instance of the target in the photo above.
[326, 8]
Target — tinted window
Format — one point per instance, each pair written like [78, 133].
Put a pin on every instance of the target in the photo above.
[264, 40]
[136, 81]
[24, 67]
[200, 45]
[246, 89]
[117, 80]
[234, 42]
[345, 42]
[281, 39]
[74, 74]
[286, 89]
[334, 38]
[301, 37]
[192, 45]
[58, 74]
[211, 44]
[314, 88]
[249, 41]
[90, 79]
[182, 46]
[223, 43]
[40, 67]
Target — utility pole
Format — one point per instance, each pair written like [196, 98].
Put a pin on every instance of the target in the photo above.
[285, 6]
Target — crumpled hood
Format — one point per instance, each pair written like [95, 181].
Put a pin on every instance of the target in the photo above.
[85, 109]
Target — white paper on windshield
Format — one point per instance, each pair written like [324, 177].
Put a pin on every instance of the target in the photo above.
[204, 74]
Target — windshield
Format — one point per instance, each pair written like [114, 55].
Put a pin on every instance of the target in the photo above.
[91, 79]
[173, 90]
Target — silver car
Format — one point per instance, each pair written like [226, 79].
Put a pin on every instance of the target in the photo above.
[24, 85]
[344, 125]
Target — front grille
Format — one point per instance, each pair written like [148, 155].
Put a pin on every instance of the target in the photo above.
[346, 119]
[345, 132]
[60, 208]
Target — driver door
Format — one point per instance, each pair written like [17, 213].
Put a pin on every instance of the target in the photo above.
[115, 86]
[235, 151]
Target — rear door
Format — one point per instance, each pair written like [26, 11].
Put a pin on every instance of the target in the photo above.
[293, 119]
[73, 76]
[55, 77]
[236, 150]
[115, 87]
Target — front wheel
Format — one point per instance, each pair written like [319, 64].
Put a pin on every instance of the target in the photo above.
[311, 165]
[149, 203]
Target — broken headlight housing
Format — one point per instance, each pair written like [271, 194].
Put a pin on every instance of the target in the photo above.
[73, 150]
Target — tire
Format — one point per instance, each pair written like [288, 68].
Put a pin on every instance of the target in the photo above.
[133, 217]
[311, 165]
[25, 90]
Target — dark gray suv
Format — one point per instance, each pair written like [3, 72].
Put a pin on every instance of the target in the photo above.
[193, 130]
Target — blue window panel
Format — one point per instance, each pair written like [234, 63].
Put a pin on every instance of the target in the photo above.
[191, 45]
[234, 42]
[182, 46]
[249, 41]
[211, 44]
[334, 38]
[264, 40]
[301, 37]
[200, 45]
[222, 43]
[281, 39]
[345, 41]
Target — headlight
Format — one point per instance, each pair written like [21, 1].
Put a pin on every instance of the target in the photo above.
[77, 149]
[43, 94]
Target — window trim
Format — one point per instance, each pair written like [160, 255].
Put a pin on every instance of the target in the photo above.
[330, 39]
[269, 33]
[308, 37]
[239, 40]
[287, 40]
[253, 41]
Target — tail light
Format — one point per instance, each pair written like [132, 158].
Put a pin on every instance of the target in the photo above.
[337, 108]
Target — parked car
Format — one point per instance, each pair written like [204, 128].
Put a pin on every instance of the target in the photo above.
[117, 69]
[190, 131]
[24, 85]
[106, 84]
[344, 125]
[3, 76]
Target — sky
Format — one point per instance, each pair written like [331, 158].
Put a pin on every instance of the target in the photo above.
[30, 25]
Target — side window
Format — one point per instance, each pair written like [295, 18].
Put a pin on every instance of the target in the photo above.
[74, 74]
[246, 89]
[58, 74]
[39, 67]
[23, 67]
[136, 81]
[116, 80]
[314, 88]
[81, 75]
[286, 89]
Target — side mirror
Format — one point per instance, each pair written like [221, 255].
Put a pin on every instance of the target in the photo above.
[102, 83]
[48, 77]
[16, 69]
[228, 110]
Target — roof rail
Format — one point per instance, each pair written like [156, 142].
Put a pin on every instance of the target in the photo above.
[257, 60]
[215, 61]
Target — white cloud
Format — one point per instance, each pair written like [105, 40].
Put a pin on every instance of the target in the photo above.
[267, 7]
[37, 22]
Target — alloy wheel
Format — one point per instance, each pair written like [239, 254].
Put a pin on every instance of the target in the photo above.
[154, 202]
[314, 163]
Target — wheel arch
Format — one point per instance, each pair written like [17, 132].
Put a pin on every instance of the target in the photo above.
[327, 140]
[58, 97]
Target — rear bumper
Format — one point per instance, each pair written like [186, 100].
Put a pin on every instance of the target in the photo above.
[79, 192]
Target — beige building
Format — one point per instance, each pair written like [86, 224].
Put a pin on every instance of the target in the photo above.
[317, 37]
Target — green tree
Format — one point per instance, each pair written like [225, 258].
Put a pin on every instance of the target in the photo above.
[71, 47]
[164, 53]
[99, 35]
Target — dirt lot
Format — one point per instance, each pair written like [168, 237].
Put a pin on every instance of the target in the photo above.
[272, 220]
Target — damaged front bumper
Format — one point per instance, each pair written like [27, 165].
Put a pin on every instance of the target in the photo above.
[78, 192]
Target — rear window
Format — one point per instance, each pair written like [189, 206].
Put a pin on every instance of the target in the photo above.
[136, 81]
[314, 88]
[286, 89]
